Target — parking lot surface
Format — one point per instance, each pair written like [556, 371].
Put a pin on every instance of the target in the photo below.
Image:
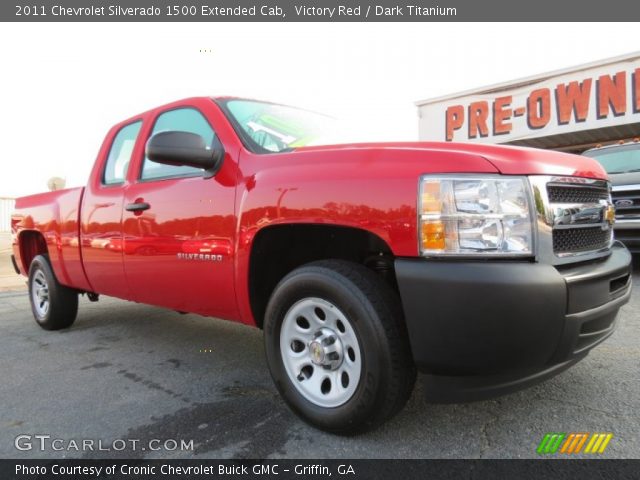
[134, 372]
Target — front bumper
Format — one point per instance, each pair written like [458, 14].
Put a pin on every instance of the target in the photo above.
[484, 328]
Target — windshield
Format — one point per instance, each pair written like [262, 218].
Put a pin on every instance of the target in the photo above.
[268, 127]
[622, 159]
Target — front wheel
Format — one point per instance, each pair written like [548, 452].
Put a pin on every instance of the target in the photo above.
[54, 306]
[336, 348]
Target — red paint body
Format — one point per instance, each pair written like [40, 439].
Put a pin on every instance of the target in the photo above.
[96, 246]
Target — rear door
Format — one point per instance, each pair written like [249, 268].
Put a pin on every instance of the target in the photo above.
[178, 229]
[101, 213]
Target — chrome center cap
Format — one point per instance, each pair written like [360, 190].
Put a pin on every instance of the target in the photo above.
[326, 349]
[317, 352]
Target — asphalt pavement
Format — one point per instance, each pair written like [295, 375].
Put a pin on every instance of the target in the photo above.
[128, 372]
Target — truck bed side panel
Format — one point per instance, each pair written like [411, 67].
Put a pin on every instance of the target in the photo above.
[55, 215]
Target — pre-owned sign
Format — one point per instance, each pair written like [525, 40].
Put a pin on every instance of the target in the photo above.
[589, 98]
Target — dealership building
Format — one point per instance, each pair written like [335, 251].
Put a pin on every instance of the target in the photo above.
[569, 110]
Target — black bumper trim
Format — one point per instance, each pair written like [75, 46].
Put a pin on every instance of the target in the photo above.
[587, 340]
[592, 284]
[485, 319]
[442, 389]
[480, 318]
[609, 307]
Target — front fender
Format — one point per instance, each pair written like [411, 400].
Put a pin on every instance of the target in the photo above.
[371, 189]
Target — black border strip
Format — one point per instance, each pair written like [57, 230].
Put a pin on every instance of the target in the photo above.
[559, 467]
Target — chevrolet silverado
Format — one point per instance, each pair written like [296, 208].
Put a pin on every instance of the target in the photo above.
[486, 268]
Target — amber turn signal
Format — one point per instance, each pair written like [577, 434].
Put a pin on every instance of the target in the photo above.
[433, 235]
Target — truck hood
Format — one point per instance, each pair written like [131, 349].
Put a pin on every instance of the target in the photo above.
[631, 178]
[506, 159]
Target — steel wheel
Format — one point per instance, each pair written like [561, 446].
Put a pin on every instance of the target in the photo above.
[335, 346]
[40, 294]
[54, 306]
[320, 352]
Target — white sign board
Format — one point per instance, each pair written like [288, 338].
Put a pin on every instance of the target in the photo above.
[600, 96]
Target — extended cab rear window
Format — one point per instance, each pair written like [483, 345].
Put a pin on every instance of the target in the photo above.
[115, 169]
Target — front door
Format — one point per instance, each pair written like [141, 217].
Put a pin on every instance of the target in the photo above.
[178, 230]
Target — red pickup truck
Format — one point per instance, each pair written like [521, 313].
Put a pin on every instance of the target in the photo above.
[486, 268]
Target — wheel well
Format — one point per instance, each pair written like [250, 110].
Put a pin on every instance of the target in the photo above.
[31, 244]
[278, 250]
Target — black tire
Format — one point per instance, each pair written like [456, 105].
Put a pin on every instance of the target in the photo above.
[375, 314]
[62, 306]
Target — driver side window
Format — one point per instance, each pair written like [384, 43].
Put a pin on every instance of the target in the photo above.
[180, 120]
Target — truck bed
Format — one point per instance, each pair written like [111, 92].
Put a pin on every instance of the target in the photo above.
[56, 216]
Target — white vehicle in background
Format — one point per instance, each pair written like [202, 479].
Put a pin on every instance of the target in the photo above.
[622, 163]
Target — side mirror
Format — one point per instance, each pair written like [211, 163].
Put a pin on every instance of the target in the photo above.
[185, 149]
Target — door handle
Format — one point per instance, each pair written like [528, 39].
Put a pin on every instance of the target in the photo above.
[137, 207]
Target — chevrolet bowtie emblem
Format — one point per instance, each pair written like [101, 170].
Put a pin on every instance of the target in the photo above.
[610, 214]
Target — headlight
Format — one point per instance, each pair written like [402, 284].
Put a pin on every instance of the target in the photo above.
[470, 215]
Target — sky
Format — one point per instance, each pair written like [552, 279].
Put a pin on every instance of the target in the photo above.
[63, 85]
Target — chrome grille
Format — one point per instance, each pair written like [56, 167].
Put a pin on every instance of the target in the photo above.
[572, 240]
[576, 194]
[575, 217]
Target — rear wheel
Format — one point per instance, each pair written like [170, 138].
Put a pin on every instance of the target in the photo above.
[54, 306]
[336, 348]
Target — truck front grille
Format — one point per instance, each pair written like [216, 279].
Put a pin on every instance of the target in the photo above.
[576, 194]
[575, 240]
[574, 217]
[626, 199]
